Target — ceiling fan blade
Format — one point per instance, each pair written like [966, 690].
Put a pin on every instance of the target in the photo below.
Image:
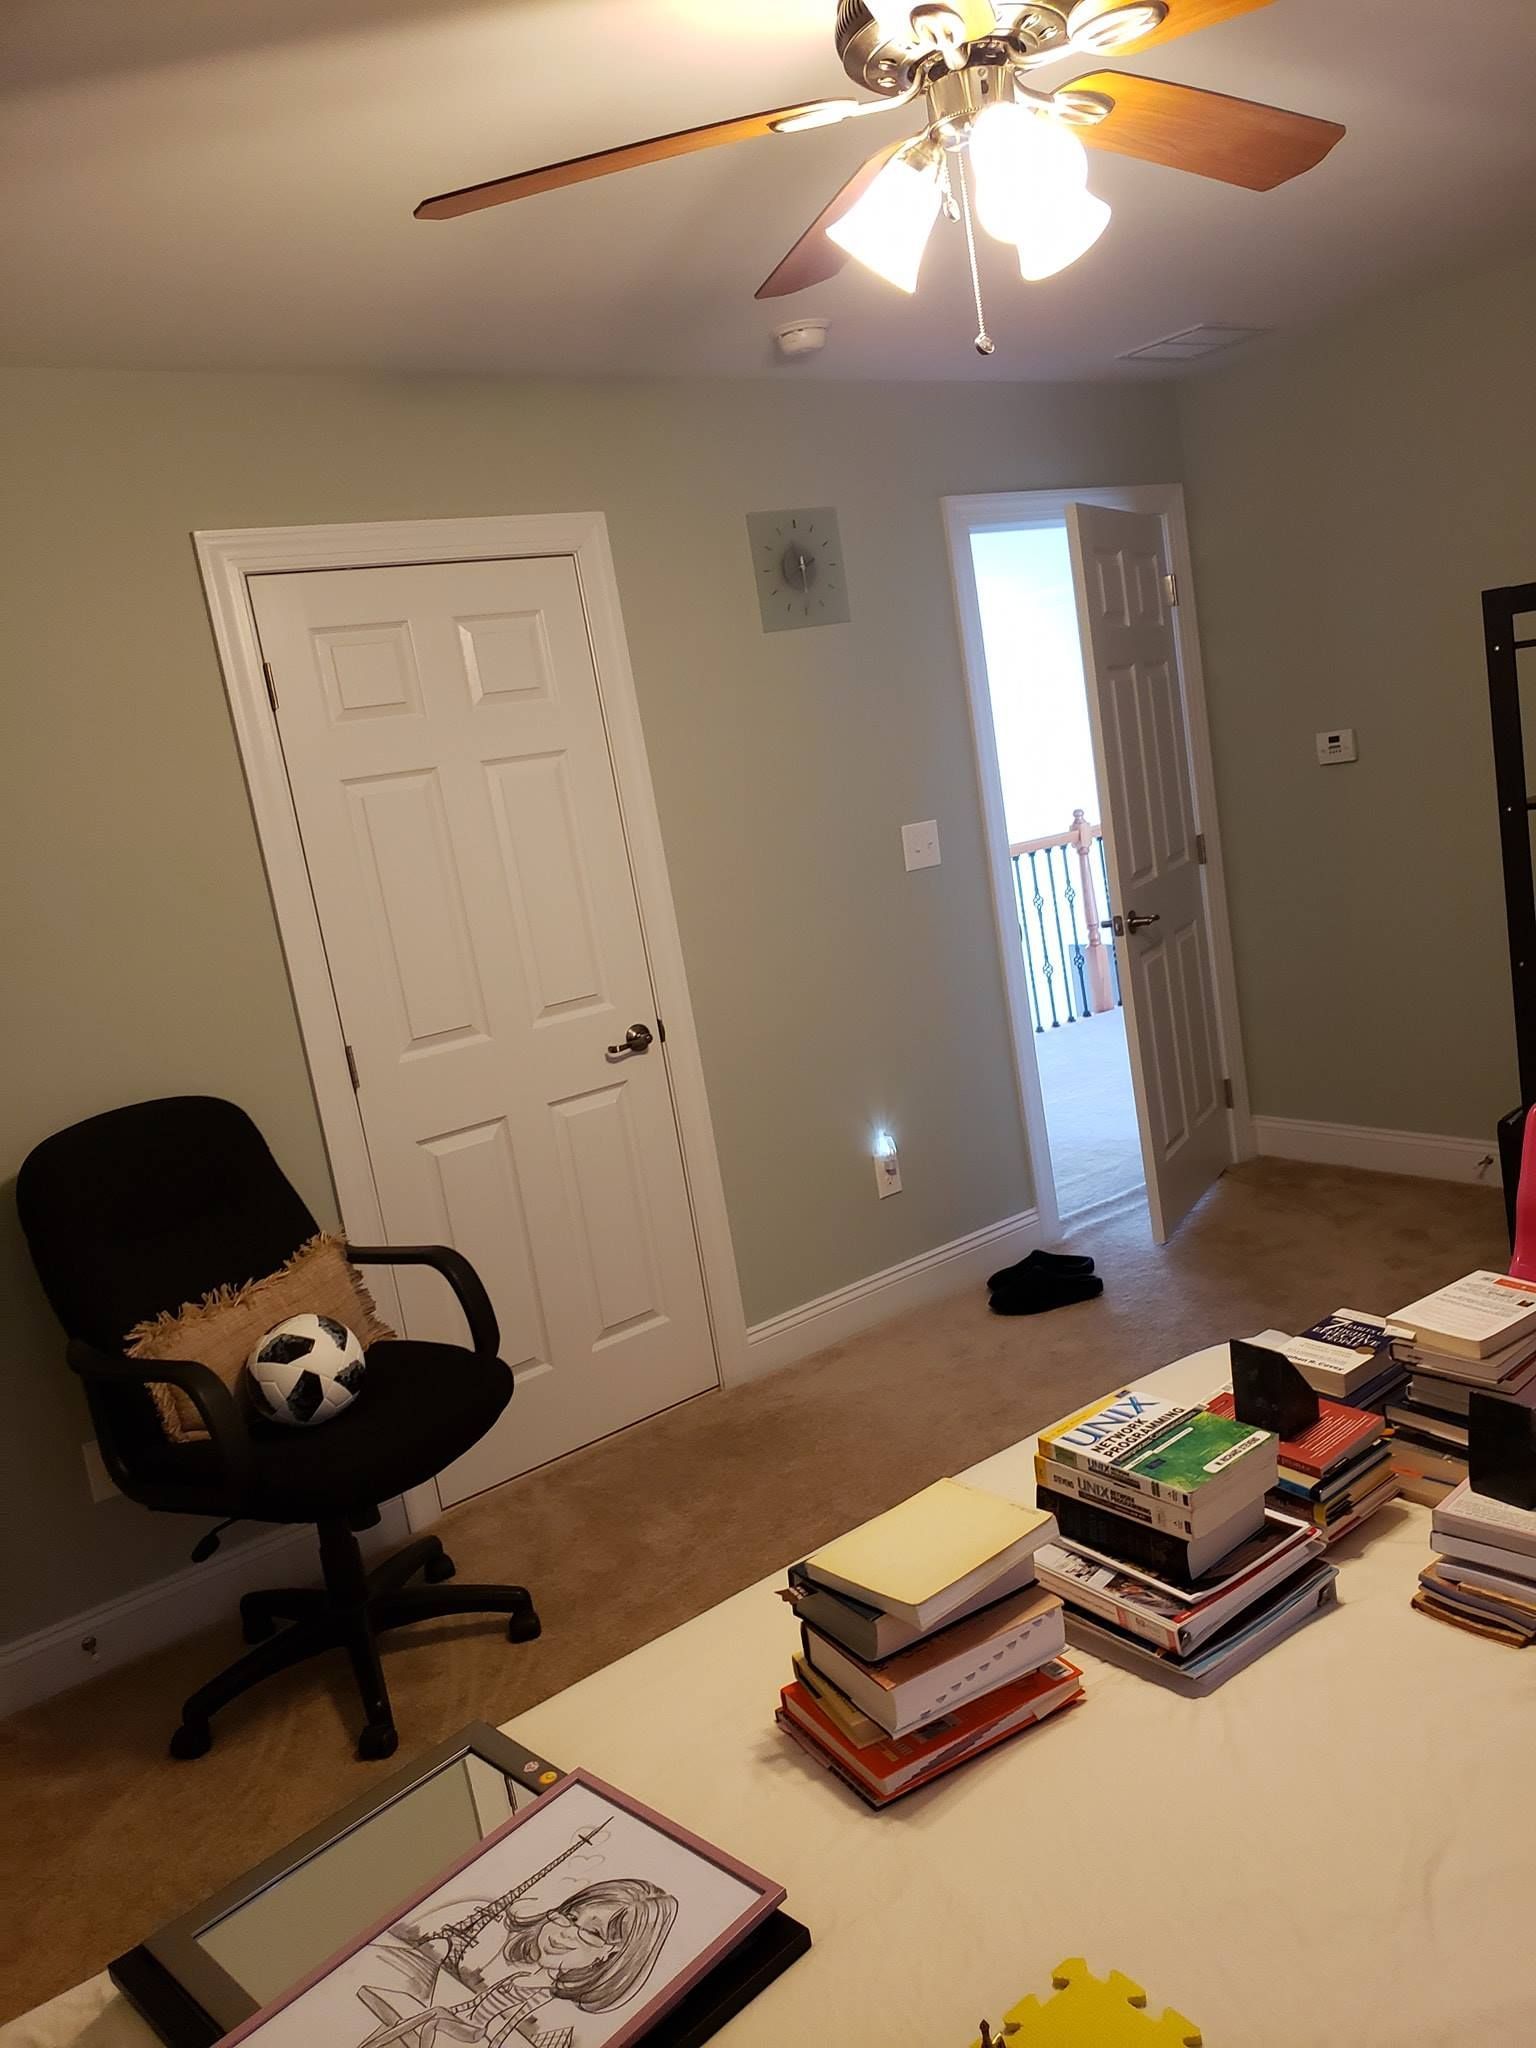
[1184, 17]
[816, 257]
[551, 177]
[1239, 141]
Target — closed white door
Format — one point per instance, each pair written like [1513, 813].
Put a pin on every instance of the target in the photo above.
[443, 731]
[1141, 741]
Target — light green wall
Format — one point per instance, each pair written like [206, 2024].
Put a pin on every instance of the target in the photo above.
[1350, 497]
[830, 988]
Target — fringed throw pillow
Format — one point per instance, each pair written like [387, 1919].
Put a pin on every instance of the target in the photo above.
[221, 1330]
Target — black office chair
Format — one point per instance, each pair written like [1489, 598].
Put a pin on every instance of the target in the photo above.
[147, 1207]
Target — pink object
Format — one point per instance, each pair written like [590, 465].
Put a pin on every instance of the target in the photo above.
[1522, 1262]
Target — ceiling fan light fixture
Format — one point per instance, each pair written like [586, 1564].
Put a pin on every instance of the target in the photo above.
[1058, 234]
[1094, 29]
[1024, 164]
[887, 227]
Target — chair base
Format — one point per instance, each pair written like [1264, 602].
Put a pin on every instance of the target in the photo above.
[286, 1625]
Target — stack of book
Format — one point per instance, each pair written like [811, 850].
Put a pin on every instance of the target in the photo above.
[924, 1640]
[1346, 1357]
[1171, 1499]
[1478, 1333]
[1484, 1576]
[1336, 1474]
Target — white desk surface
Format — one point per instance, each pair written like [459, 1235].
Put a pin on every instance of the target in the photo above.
[1336, 1847]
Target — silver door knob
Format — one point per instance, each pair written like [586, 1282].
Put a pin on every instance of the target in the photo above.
[636, 1039]
[1134, 920]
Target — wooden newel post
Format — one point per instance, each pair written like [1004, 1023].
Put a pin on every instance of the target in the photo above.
[1100, 993]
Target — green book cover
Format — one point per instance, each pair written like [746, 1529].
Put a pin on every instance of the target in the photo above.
[1197, 1450]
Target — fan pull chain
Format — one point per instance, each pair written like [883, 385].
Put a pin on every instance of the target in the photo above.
[985, 345]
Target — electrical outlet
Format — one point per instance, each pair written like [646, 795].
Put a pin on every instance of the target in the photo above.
[887, 1173]
[96, 1473]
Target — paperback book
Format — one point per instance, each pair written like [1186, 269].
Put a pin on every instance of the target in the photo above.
[1179, 1559]
[1473, 1318]
[1171, 1453]
[1277, 1532]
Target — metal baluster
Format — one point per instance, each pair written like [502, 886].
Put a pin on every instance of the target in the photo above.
[1061, 944]
[1079, 945]
[1029, 958]
[1045, 944]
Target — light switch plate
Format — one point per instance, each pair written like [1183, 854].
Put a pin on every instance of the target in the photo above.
[920, 844]
[1337, 746]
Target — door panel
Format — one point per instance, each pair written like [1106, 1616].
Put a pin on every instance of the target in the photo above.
[1141, 739]
[444, 738]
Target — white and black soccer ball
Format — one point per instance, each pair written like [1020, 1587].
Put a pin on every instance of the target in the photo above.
[305, 1370]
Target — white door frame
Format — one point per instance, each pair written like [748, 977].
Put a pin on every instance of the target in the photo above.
[998, 511]
[227, 558]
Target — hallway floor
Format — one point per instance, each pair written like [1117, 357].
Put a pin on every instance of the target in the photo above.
[1090, 1111]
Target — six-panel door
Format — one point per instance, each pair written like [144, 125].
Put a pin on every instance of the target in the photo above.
[1136, 705]
[443, 732]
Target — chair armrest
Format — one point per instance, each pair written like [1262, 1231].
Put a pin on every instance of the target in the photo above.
[203, 1388]
[484, 1332]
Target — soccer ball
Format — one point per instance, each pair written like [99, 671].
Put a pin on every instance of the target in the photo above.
[305, 1370]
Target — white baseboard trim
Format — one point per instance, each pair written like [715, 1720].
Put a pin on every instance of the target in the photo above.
[1421, 1153]
[799, 1332]
[36, 1667]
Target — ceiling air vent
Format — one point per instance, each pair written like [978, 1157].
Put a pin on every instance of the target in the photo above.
[1189, 343]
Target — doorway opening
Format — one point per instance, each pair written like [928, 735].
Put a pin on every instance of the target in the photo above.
[1060, 877]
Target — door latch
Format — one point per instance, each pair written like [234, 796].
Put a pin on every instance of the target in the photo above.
[636, 1039]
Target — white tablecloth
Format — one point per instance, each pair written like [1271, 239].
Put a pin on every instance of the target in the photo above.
[1335, 1847]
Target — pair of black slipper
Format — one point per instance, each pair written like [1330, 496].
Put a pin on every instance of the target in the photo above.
[1044, 1280]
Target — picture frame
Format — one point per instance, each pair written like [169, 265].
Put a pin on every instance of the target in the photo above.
[581, 1922]
[192, 1980]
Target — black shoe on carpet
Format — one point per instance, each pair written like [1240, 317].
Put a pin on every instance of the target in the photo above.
[1042, 1263]
[1034, 1294]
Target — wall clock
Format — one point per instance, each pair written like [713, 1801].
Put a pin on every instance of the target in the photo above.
[797, 563]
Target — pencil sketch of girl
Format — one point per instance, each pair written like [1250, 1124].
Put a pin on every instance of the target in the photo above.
[595, 1951]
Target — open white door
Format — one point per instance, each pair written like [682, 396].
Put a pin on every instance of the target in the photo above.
[1141, 742]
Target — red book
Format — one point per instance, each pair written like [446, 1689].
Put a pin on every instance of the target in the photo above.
[1337, 1434]
[884, 1770]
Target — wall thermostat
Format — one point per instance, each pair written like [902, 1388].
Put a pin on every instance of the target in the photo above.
[1337, 746]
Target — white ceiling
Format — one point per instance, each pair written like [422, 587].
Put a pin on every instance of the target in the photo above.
[230, 185]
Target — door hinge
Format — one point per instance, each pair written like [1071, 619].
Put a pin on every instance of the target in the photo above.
[1171, 587]
[266, 669]
[352, 1069]
[1226, 1090]
[1200, 848]
[661, 1031]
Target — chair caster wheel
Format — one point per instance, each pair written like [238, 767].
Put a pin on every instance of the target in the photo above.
[377, 1741]
[192, 1738]
[522, 1628]
[438, 1569]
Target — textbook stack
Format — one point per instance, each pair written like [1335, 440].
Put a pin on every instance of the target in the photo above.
[924, 1640]
[1477, 1334]
[1169, 1557]
[1335, 1475]
[1484, 1576]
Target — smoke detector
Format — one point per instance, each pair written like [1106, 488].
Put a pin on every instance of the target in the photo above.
[802, 337]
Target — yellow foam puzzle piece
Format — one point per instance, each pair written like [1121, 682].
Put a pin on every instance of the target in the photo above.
[1088, 2012]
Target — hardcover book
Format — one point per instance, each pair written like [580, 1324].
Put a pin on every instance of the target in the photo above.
[869, 1631]
[1338, 1433]
[885, 1770]
[925, 1558]
[960, 1662]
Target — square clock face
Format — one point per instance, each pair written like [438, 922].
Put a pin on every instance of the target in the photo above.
[797, 564]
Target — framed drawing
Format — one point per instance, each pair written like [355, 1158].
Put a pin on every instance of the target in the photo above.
[578, 1923]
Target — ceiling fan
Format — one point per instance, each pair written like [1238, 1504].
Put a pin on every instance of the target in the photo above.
[993, 147]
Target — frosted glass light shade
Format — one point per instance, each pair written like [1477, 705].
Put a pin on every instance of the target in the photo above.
[1023, 163]
[888, 225]
[1061, 231]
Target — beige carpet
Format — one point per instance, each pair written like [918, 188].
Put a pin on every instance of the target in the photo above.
[104, 1836]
